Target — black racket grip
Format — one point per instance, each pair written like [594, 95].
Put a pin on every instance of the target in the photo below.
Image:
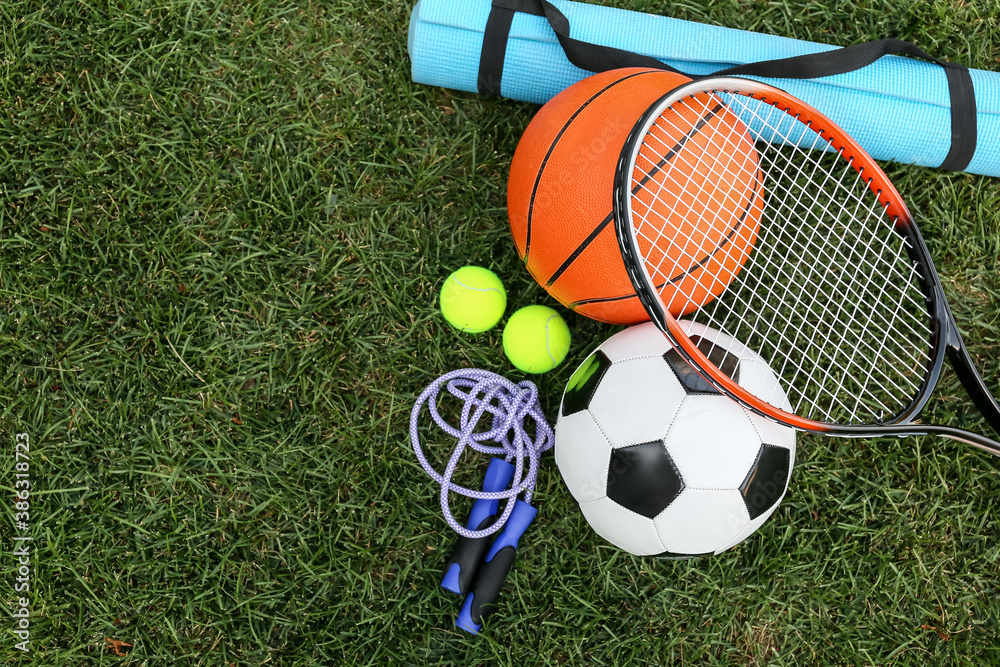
[493, 571]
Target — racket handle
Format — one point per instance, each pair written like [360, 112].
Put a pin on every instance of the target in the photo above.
[481, 601]
[465, 557]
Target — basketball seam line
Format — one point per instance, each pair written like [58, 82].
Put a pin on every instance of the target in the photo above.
[699, 264]
[601, 299]
[552, 147]
[702, 122]
[725, 240]
[557, 274]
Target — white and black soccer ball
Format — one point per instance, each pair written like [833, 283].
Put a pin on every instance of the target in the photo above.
[659, 461]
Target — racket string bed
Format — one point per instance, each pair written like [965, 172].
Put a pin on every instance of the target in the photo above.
[840, 291]
[850, 291]
[667, 201]
[855, 349]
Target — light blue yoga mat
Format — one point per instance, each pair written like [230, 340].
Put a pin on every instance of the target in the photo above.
[897, 108]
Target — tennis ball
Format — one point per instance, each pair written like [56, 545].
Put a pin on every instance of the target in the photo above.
[536, 339]
[473, 299]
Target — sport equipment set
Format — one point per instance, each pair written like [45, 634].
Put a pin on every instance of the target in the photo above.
[776, 261]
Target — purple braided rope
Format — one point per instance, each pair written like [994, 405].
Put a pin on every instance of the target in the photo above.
[515, 403]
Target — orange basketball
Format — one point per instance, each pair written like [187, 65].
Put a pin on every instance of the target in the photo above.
[559, 199]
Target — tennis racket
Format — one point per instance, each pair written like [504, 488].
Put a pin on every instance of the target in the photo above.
[811, 259]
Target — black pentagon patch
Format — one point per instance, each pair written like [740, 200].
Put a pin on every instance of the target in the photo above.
[766, 480]
[643, 478]
[668, 555]
[582, 385]
[694, 383]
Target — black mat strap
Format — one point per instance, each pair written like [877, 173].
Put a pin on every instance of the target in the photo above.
[599, 58]
[828, 63]
[494, 49]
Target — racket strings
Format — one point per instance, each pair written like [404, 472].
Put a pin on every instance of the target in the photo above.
[825, 368]
[691, 256]
[853, 255]
[811, 275]
[857, 240]
[657, 227]
[828, 296]
[788, 336]
[659, 223]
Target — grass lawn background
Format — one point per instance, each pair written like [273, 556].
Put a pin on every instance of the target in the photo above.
[223, 226]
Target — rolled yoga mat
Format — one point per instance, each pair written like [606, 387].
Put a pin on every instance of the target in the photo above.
[897, 108]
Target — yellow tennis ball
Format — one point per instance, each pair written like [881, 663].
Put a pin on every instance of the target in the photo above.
[536, 339]
[473, 299]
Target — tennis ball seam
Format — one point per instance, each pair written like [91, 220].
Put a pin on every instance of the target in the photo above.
[477, 289]
[548, 347]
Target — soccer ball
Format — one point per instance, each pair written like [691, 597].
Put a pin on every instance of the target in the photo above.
[659, 461]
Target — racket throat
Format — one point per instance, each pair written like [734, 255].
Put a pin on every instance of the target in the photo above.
[965, 368]
[966, 437]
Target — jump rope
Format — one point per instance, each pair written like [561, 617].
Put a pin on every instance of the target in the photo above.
[477, 568]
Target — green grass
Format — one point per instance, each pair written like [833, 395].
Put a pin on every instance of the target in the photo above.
[222, 230]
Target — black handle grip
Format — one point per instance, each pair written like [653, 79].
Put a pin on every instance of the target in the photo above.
[492, 572]
[465, 556]
[461, 565]
[481, 601]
